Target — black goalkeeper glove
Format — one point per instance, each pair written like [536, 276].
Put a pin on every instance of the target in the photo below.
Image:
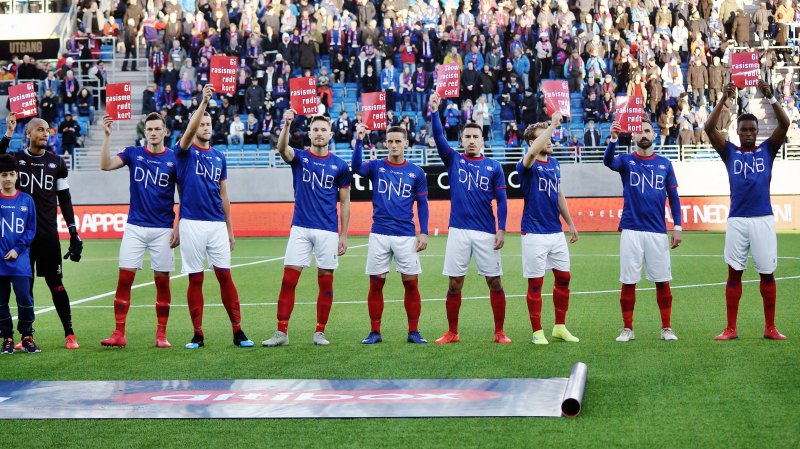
[75, 246]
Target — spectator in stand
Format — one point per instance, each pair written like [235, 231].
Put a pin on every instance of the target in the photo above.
[666, 122]
[85, 104]
[324, 87]
[697, 80]
[254, 98]
[51, 82]
[48, 107]
[452, 122]
[408, 54]
[369, 82]
[251, 129]
[69, 93]
[685, 135]
[637, 87]
[389, 83]
[157, 63]
[420, 86]
[236, 132]
[574, 71]
[655, 93]
[407, 97]
[171, 76]
[591, 86]
[280, 95]
[529, 108]
[470, 82]
[488, 83]
[186, 88]
[591, 137]
[762, 20]
[307, 54]
[168, 97]
[149, 100]
[269, 131]
[339, 68]
[511, 136]
[593, 108]
[482, 116]
[70, 130]
[522, 66]
[342, 128]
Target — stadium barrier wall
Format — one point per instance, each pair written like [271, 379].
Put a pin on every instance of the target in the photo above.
[707, 213]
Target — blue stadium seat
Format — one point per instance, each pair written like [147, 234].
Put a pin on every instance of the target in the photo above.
[340, 146]
[15, 145]
[250, 147]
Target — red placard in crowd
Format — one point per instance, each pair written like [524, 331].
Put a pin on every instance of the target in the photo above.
[745, 69]
[556, 97]
[629, 112]
[118, 101]
[448, 80]
[373, 110]
[22, 100]
[223, 73]
[303, 95]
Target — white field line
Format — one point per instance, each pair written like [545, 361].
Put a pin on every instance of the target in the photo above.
[590, 292]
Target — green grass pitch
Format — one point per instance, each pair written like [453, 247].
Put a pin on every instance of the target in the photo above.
[648, 393]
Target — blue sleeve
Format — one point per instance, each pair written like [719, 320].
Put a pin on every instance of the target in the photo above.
[422, 212]
[27, 236]
[674, 198]
[224, 175]
[125, 156]
[609, 158]
[442, 147]
[345, 176]
[502, 207]
[180, 151]
[358, 167]
[296, 159]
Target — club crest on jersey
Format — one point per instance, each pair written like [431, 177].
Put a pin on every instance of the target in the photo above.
[51, 165]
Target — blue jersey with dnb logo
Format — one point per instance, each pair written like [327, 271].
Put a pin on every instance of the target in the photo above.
[394, 190]
[199, 174]
[153, 177]
[317, 181]
[540, 186]
[749, 174]
[645, 181]
[473, 183]
[17, 229]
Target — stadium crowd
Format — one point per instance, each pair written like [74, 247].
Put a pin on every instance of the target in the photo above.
[675, 54]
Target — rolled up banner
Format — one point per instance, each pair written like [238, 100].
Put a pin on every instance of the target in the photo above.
[572, 403]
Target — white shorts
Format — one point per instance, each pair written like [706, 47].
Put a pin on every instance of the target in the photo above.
[542, 252]
[653, 248]
[201, 241]
[325, 245]
[137, 239]
[756, 234]
[382, 248]
[462, 244]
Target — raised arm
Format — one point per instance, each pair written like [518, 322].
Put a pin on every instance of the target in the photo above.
[357, 163]
[540, 143]
[778, 137]
[11, 125]
[194, 122]
[108, 162]
[282, 147]
[714, 136]
[609, 157]
[442, 147]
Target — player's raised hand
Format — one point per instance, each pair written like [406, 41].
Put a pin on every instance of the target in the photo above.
[573, 232]
[730, 90]
[616, 129]
[108, 125]
[422, 242]
[499, 239]
[434, 101]
[11, 123]
[361, 131]
[765, 89]
[288, 117]
[677, 238]
[208, 91]
[11, 255]
[342, 245]
[555, 120]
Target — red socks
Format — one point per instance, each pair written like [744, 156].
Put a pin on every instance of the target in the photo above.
[498, 300]
[324, 300]
[194, 296]
[375, 302]
[122, 298]
[768, 294]
[286, 298]
[733, 293]
[453, 304]
[561, 295]
[230, 297]
[413, 303]
[664, 300]
[627, 300]
[163, 299]
[534, 300]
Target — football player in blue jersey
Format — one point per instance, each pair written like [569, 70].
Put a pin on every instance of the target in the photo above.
[544, 246]
[151, 222]
[475, 180]
[751, 225]
[396, 185]
[648, 179]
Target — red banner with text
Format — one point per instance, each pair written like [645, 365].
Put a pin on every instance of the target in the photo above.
[373, 109]
[118, 101]
[303, 95]
[629, 112]
[556, 97]
[745, 69]
[22, 100]
[448, 80]
[223, 73]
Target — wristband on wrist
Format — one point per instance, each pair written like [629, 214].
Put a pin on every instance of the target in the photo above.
[772, 100]
[677, 228]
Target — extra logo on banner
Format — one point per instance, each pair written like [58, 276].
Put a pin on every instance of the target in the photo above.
[223, 73]
[118, 101]
[373, 109]
[556, 97]
[448, 80]
[303, 95]
[22, 100]
[745, 69]
[629, 112]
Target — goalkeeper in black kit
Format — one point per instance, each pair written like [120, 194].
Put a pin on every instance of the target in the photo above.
[43, 175]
